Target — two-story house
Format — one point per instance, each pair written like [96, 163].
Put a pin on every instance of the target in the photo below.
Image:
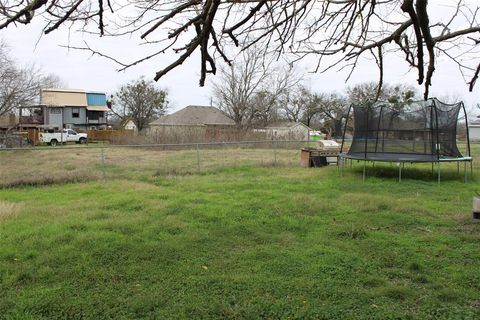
[67, 108]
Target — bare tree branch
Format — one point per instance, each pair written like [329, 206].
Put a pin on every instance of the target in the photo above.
[346, 30]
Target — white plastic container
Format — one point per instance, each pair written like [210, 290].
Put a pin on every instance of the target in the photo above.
[476, 207]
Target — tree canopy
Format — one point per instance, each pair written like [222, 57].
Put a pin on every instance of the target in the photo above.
[141, 101]
[335, 32]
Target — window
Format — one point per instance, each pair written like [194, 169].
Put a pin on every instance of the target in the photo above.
[75, 113]
[71, 132]
[94, 115]
[55, 111]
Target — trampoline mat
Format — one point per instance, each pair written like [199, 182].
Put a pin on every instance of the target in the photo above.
[399, 157]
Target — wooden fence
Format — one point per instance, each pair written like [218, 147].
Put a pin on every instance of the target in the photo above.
[112, 136]
[109, 135]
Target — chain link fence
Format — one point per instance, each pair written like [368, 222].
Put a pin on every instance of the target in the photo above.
[46, 164]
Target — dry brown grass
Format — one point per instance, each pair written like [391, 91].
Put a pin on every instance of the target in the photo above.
[9, 209]
[43, 166]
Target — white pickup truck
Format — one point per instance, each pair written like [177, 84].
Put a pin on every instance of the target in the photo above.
[67, 135]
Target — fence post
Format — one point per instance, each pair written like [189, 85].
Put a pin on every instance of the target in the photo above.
[102, 157]
[198, 157]
[225, 153]
[274, 152]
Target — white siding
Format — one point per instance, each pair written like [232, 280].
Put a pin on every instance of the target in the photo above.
[130, 125]
[474, 132]
[297, 132]
[55, 117]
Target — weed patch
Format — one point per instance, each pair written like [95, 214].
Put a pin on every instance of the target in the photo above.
[9, 209]
[353, 233]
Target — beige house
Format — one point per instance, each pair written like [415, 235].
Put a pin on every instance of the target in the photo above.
[192, 123]
[288, 131]
[66, 108]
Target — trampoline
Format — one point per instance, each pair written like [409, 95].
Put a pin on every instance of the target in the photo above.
[414, 132]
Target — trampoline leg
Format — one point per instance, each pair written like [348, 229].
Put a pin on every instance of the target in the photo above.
[458, 167]
[471, 169]
[364, 166]
[432, 168]
[340, 165]
[400, 173]
[465, 172]
[439, 172]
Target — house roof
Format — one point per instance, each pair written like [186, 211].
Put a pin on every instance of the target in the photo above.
[63, 97]
[283, 125]
[64, 90]
[97, 108]
[55, 97]
[195, 115]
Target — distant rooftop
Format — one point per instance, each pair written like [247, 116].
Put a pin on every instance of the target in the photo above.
[195, 115]
[287, 124]
[63, 90]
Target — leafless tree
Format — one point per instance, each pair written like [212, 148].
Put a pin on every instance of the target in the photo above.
[237, 85]
[335, 32]
[312, 110]
[333, 108]
[302, 106]
[20, 86]
[251, 88]
[292, 108]
[267, 108]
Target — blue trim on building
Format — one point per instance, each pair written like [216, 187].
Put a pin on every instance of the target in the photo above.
[96, 99]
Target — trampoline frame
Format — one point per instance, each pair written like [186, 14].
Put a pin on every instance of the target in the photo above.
[433, 158]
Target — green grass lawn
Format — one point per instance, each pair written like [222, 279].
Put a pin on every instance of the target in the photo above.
[243, 243]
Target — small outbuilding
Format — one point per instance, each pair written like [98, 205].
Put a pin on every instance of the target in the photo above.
[125, 124]
[129, 124]
[288, 131]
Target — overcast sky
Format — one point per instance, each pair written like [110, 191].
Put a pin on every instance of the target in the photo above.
[79, 70]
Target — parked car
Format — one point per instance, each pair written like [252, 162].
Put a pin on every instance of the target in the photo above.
[64, 136]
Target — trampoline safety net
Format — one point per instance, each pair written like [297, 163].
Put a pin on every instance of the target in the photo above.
[422, 131]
